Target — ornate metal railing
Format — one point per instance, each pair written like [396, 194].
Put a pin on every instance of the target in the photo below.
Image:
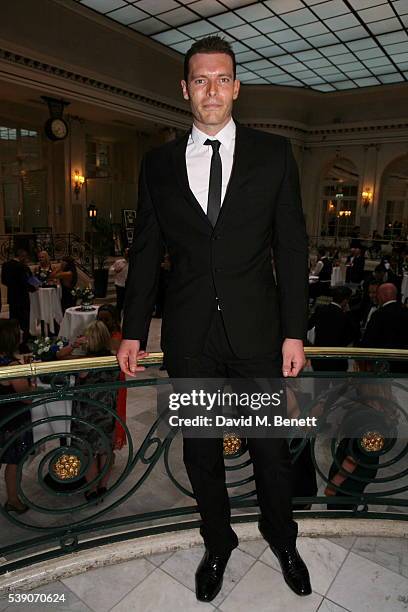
[148, 490]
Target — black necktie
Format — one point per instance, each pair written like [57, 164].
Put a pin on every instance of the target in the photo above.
[214, 187]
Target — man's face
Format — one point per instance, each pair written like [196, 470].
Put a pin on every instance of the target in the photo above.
[211, 89]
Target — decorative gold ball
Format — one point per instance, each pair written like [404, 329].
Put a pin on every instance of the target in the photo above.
[67, 466]
[232, 444]
[372, 441]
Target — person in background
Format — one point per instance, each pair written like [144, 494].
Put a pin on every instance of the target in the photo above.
[17, 276]
[92, 408]
[109, 315]
[355, 265]
[9, 342]
[388, 326]
[68, 277]
[44, 268]
[323, 271]
[120, 270]
[369, 304]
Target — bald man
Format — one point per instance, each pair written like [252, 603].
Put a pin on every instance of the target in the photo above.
[388, 326]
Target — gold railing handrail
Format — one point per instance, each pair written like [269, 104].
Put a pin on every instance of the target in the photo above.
[85, 363]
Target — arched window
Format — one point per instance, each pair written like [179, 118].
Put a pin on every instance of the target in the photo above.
[393, 208]
[339, 189]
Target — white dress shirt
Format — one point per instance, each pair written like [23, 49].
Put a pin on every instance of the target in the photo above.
[198, 161]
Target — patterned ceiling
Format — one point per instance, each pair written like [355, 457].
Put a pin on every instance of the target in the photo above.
[326, 45]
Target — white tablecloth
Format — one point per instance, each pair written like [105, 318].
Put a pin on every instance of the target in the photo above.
[45, 305]
[51, 409]
[75, 321]
[404, 287]
[338, 276]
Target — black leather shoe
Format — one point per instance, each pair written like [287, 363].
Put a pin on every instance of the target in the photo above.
[209, 575]
[294, 570]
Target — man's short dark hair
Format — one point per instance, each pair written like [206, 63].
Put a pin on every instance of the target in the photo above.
[209, 44]
[339, 294]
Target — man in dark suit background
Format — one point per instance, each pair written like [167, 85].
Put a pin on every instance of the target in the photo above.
[15, 275]
[218, 199]
[388, 326]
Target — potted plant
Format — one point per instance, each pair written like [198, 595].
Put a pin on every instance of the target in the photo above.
[102, 246]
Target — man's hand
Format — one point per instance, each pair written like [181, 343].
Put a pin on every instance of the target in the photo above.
[293, 357]
[128, 354]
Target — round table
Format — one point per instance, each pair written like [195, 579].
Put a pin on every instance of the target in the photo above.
[75, 322]
[45, 305]
[56, 408]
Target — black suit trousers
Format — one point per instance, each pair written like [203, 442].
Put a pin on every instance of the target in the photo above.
[204, 460]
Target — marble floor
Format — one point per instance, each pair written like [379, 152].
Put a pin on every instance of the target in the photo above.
[347, 573]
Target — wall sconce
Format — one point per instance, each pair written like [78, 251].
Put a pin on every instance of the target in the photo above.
[367, 198]
[79, 180]
[92, 211]
[345, 213]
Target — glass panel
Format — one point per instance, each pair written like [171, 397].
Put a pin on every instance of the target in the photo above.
[283, 60]
[356, 74]
[334, 50]
[103, 6]
[247, 56]
[170, 38]
[401, 6]
[253, 13]
[227, 21]
[344, 58]
[283, 6]
[362, 4]
[318, 63]
[271, 71]
[313, 29]
[271, 51]
[258, 64]
[299, 17]
[304, 74]
[208, 7]
[391, 78]
[272, 24]
[199, 28]
[328, 70]
[377, 13]
[379, 27]
[149, 26]
[365, 43]
[182, 47]
[352, 33]
[233, 4]
[128, 14]
[378, 61]
[283, 36]
[257, 42]
[400, 58]
[238, 47]
[179, 16]
[308, 55]
[395, 37]
[345, 85]
[324, 87]
[296, 45]
[370, 53]
[330, 9]
[351, 66]
[398, 48]
[256, 81]
[367, 82]
[156, 7]
[312, 80]
[322, 39]
[383, 69]
[244, 31]
[342, 22]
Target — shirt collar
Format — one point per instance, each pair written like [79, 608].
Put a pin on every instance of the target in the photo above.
[226, 136]
[389, 302]
[336, 304]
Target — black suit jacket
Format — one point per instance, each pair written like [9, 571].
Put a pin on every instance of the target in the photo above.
[232, 261]
[387, 328]
[333, 326]
[15, 275]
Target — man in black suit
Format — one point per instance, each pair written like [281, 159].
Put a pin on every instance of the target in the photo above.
[388, 326]
[15, 275]
[218, 199]
[355, 265]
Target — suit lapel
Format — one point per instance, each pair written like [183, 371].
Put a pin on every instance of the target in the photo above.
[243, 158]
[239, 172]
[180, 170]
